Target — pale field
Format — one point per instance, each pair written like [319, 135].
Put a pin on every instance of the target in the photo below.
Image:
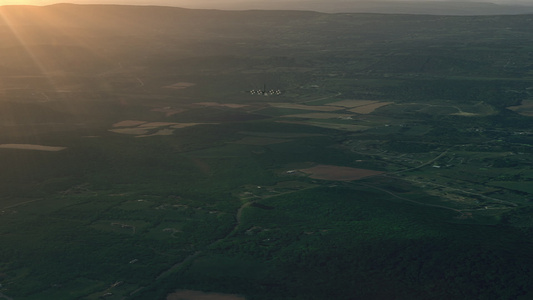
[525, 109]
[165, 131]
[260, 141]
[128, 123]
[197, 295]
[216, 104]
[184, 125]
[336, 173]
[180, 85]
[352, 103]
[366, 109]
[130, 131]
[32, 147]
[141, 128]
[319, 116]
[157, 124]
[304, 107]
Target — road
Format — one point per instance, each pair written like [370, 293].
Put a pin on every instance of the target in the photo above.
[193, 256]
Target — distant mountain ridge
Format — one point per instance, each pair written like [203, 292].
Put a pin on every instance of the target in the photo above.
[387, 6]
[441, 7]
[134, 33]
[338, 6]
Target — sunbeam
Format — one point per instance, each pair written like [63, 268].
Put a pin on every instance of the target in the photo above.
[43, 67]
[49, 57]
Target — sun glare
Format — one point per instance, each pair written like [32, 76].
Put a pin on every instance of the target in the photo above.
[43, 36]
[25, 2]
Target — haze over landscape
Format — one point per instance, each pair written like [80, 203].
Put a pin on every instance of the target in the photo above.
[164, 152]
[442, 7]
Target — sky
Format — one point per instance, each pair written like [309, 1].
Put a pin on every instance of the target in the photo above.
[244, 4]
[216, 2]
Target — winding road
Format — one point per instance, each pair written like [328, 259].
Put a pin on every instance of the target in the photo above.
[238, 218]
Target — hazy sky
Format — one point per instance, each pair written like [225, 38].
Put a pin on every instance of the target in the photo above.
[237, 3]
[218, 2]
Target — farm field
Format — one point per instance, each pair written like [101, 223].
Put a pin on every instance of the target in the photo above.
[526, 108]
[395, 163]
